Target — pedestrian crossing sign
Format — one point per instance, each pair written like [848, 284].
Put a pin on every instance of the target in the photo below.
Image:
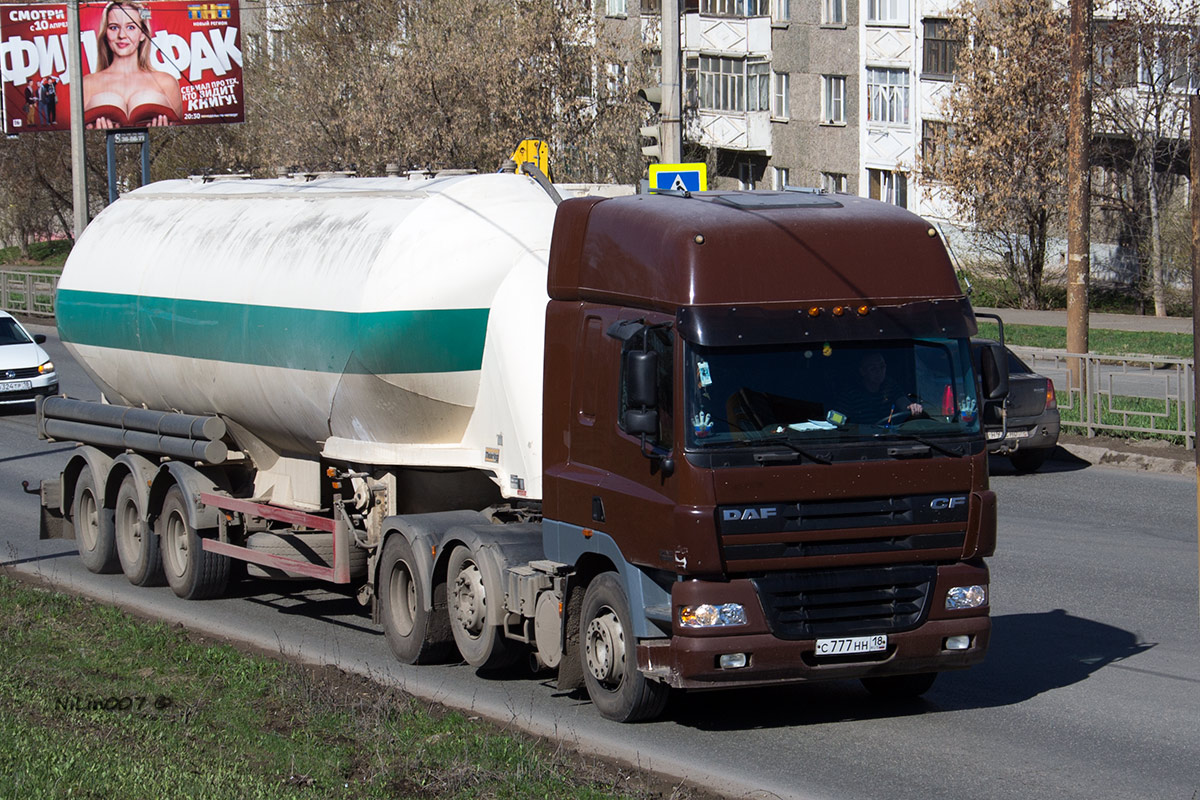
[679, 177]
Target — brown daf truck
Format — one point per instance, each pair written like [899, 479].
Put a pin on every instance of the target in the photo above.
[717, 444]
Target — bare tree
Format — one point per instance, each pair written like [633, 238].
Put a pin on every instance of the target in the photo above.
[1144, 71]
[1003, 160]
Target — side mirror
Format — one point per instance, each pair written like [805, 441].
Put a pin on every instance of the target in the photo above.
[641, 378]
[994, 372]
[639, 422]
[39, 338]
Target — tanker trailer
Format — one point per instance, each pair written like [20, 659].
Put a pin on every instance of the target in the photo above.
[620, 438]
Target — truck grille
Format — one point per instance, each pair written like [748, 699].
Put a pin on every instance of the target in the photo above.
[846, 602]
[815, 534]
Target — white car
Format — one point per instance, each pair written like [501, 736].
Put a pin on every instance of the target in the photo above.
[25, 369]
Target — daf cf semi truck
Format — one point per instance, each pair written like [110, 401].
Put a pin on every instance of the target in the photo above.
[637, 440]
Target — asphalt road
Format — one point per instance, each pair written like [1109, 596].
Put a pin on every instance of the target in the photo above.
[1091, 688]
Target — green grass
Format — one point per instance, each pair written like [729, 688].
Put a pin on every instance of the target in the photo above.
[43, 256]
[97, 704]
[1161, 417]
[1108, 342]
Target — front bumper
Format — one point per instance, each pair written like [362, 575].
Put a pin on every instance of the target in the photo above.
[691, 659]
[41, 386]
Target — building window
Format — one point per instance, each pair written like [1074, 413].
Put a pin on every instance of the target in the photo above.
[781, 105]
[890, 187]
[933, 146]
[615, 79]
[722, 8]
[779, 178]
[887, 96]
[781, 10]
[888, 11]
[616, 8]
[833, 12]
[652, 8]
[833, 99]
[758, 8]
[745, 175]
[940, 49]
[758, 86]
[834, 182]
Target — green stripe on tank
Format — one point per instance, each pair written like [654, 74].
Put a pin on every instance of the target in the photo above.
[378, 343]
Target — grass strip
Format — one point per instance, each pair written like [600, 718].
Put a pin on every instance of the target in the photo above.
[1101, 340]
[97, 704]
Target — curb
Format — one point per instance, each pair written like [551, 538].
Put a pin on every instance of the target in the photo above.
[1102, 456]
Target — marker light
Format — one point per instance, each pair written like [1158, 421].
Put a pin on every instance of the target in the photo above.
[966, 597]
[814, 311]
[712, 616]
[839, 311]
[863, 310]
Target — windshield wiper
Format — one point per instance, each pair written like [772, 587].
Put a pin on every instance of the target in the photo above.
[797, 450]
[955, 453]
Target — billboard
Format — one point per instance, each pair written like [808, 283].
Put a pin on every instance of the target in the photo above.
[144, 64]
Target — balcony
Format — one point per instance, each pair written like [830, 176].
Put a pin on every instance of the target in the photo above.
[733, 130]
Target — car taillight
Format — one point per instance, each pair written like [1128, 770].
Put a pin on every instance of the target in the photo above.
[1051, 400]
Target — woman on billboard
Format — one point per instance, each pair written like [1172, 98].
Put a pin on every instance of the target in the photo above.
[125, 90]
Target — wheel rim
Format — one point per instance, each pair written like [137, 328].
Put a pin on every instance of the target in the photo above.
[469, 601]
[89, 520]
[129, 534]
[605, 648]
[176, 545]
[402, 598]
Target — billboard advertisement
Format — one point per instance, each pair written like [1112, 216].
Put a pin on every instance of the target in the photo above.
[145, 64]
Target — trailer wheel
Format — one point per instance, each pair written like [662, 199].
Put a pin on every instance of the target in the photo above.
[416, 635]
[483, 646]
[608, 652]
[900, 687]
[192, 572]
[137, 545]
[93, 527]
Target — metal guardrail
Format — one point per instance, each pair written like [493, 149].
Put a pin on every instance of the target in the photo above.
[28, 292]
[1121, 394]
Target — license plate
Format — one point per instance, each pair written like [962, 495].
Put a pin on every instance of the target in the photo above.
[16, 386]
[851, 645]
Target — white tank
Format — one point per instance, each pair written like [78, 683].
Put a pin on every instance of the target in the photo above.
[378, 321]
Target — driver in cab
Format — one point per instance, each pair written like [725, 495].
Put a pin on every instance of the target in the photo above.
[876, 399]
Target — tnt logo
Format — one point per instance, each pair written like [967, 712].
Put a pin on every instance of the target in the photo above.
[209, 11]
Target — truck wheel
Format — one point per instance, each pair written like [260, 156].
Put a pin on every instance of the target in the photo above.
[93, 527]
[483, 646]
[900, 687]
[192, 572]
[608, 652]
[415, 635]
[1025, 461]
[137, 545]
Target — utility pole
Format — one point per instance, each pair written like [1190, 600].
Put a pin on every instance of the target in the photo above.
[1079, 188]
[78, 154]
[1195, 209]
[670, 112]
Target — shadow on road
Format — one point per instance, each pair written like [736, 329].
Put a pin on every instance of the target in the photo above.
[1060, 461]
[1029, 654]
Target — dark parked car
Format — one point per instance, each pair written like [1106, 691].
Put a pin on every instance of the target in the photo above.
[1025, 426]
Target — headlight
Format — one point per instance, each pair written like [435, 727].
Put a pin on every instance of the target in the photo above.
[46, 368]
[712, 616]
[966, 597]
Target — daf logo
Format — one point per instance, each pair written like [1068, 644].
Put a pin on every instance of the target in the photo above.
[736, 514]
[943, 503]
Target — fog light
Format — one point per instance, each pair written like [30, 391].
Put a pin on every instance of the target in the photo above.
[733, 661]
[707, 615]
[956, 643]
[966, 597]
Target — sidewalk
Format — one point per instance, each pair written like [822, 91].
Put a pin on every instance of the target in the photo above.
[1116, 322]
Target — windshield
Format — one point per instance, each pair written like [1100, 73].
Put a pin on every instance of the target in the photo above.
[830, 392]
[11, 333]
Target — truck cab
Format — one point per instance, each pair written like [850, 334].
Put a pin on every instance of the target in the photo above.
[712, 440]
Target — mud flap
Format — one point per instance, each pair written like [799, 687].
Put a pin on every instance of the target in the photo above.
[52, 524]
